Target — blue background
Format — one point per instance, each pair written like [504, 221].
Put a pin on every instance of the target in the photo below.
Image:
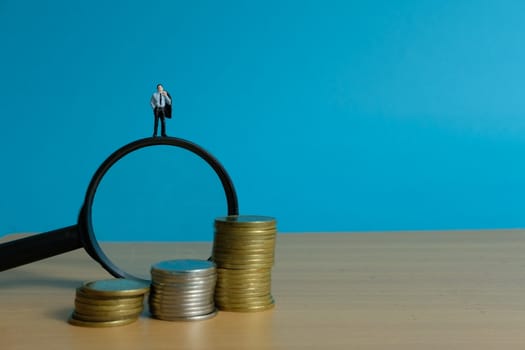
[328, 115]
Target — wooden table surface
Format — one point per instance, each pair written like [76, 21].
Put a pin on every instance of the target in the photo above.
[398, 290]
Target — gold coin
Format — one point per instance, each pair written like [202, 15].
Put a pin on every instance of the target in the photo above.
[117, 301]
[103, 317]
[244, 303]
[242, 286]
[245, 263]
[243, 239]
[243, 276]
[245, 234]
[118, 287]
[107, 308]
[241, 302]
[77, 322]
[261, 229]
[241, 247]
[243, 280]
[107, 312]
[230, 253]
[113, 306]
[80, 292]
[238, 244]
[244, 266]
[245, 273]
[237, 272]
[225, 254]
[245, 309]
[248, 226]
[229, 294]
[241, 289]
[242, 258]
[237, 293]
[245, 219]
[244, 249]
[242, 255]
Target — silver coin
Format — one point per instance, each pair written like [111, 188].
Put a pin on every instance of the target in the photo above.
[182, 313]
[180, 301]
[184, 285]
[185, 266]
[182, 279]
[180, 307]
[187, 293]
[179, 280]
[187, 318]
[192, 290]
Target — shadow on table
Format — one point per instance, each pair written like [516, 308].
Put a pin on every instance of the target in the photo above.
[61, 314]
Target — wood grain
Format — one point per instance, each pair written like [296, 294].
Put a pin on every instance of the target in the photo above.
[398, 290]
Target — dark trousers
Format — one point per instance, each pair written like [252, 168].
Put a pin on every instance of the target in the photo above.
[159, 114]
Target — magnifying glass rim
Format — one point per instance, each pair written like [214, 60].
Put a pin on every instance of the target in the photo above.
[85, 224]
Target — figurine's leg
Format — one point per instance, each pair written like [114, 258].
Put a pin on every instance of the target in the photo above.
[163, 125]
[156, 124]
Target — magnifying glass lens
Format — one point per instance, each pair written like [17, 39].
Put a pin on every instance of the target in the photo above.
[151, 198]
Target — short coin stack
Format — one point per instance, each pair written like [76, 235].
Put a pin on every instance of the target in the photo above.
[243, 250]
[182, 290]
[108, 303]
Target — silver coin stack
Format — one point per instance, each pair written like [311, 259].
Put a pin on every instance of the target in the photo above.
[183, 290]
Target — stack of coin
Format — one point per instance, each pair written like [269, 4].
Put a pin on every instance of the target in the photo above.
[183, 290]
[244, 249]
[108, 303]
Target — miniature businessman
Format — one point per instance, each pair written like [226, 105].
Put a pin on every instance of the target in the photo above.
[161, 104]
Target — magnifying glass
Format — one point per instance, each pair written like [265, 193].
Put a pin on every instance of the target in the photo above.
[138, 194]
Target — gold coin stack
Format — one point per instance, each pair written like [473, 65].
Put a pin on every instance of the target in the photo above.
[108, 303]
[182, 290]
[244, 249]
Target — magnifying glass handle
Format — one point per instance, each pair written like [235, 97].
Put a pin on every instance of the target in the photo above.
[37, 247]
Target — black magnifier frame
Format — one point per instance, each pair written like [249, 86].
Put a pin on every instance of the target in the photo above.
[44, 245]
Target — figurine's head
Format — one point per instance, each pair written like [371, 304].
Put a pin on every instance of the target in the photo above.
[160, 88]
